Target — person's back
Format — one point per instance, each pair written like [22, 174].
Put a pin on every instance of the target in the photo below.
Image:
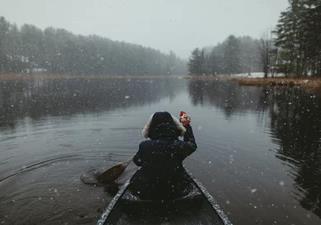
[162, 175]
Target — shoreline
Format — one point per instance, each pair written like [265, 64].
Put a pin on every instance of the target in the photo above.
[311, 84]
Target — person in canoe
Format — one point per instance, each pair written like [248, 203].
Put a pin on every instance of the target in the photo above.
[162, 175]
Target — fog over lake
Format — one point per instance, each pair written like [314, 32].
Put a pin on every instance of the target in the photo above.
[179, 25]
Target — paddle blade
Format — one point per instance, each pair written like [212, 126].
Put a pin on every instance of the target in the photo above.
[90, 177]
[112, 174]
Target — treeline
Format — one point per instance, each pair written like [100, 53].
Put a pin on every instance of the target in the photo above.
[299, 38]
[234, 55]
[293, 48]
[29, 49]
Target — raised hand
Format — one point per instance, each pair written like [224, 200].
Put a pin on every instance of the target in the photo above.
[184, 118]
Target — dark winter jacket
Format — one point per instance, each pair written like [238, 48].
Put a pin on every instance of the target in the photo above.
[162, 175]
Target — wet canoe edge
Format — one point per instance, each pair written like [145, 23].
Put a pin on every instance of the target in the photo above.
[113, 203]
[210, 199]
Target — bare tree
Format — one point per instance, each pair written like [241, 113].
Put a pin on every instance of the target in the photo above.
[266, 48]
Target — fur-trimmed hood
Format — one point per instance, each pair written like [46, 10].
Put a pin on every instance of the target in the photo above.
[146, 129]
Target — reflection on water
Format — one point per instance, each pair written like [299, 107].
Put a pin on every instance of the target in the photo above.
[295, 125]
[39, 98]
[258, 145]
[51, 131]
[228, 96]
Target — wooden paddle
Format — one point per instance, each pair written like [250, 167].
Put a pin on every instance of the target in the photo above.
[113, 173]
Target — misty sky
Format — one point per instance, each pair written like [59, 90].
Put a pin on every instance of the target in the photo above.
[178, 25]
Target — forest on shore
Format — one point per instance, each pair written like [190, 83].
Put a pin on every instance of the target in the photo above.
[233, 56]
[293, 48]
[28, 49]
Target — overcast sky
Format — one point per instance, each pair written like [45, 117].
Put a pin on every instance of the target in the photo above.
[178, 25]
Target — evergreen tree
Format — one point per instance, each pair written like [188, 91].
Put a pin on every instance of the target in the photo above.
[249, 55]
[196, 62]
[4, 28]
[298, 37]
[232, 55]
[312, 36]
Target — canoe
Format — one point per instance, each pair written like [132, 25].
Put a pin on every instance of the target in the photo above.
[195, 207]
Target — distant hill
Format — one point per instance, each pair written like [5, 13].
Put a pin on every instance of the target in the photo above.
[30, 49]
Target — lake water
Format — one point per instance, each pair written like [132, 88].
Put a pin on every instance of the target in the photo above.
[259, 151]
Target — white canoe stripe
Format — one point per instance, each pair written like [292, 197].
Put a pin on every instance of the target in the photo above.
[112, 204]
[208, 196]
[211, 200]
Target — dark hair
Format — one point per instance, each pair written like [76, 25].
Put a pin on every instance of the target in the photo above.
[165, 121]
